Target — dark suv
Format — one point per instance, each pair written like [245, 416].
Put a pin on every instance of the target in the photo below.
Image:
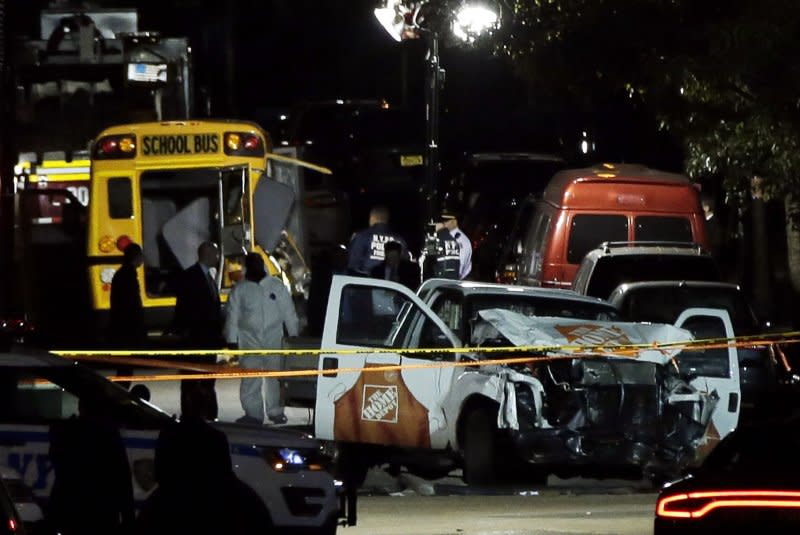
[614, 263]
[662, 301]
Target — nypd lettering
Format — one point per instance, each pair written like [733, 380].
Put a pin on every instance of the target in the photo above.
[377, 246]
[180, 145]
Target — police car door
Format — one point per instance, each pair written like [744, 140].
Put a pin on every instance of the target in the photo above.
[714, 369]
[388, 406]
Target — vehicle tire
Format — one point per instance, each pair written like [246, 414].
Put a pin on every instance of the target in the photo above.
[330, 526]
[479, 448]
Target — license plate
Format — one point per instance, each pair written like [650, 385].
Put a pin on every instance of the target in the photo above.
[410, 160]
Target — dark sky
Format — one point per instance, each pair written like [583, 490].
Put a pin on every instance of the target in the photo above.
[284, 52]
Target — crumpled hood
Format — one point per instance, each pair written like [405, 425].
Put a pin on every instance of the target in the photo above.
[578, 334]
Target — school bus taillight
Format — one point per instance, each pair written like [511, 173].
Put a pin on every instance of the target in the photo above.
[115, 147]
[243, 144]
[107, 244]
[123, 242]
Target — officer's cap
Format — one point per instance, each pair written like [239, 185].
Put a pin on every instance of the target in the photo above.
[448, 214]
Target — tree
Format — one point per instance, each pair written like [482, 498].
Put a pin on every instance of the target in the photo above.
[720, 75]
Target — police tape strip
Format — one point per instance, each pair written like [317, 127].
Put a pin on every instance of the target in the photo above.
[780, 338]
[212, 374]
[335, 371]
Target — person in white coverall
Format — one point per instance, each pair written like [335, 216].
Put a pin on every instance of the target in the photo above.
[259, 308]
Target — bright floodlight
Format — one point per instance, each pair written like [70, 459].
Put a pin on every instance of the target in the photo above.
[390, 19]
[473, 20]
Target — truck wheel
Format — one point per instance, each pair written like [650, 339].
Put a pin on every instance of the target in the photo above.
[479, 448]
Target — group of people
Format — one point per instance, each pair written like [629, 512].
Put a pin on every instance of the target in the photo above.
[258, 311]
[379, 252]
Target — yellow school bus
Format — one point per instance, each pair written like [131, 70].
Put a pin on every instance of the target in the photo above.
[170, 186]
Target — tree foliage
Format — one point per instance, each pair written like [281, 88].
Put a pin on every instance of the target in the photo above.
[721, 74]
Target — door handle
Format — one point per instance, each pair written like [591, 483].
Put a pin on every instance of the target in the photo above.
[733, 402]
[330, 363]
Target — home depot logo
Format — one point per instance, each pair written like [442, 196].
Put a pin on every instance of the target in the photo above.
[593, 335]
[380, 403]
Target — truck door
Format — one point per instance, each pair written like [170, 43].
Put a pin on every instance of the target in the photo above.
[384, 406]
[713, 370]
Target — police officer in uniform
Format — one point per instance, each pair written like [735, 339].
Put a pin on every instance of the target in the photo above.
[366, 247]
[442, 252]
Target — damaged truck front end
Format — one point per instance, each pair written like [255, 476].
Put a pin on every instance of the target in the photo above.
[649, 410]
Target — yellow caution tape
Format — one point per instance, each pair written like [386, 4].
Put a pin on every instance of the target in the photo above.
[787, 337]
[209, 371]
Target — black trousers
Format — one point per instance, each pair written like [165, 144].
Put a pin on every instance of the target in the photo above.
[199, 399]
[198, 396]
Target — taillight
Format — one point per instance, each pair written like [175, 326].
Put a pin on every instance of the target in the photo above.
[115, 147]
[243, 144]
[12, 525]
[123, 242]
[106, 244]
[699, 504]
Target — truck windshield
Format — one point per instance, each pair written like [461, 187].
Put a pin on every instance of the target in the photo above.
[462, 316]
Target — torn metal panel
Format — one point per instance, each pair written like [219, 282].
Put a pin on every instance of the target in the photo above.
[578, 335]
[598, 407]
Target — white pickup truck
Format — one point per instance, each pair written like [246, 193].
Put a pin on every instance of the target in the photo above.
[657, 410]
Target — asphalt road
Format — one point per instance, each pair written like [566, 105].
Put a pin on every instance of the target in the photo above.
[543, 514]
[407, 505]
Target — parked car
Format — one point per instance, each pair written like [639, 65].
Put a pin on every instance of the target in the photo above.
[10, 521]
[662, 301]
[611, 264]
[750, 483]
[582, 208]
[285, 468]
[28, 507]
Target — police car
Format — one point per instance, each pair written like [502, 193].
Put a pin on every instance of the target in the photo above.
[285, 467]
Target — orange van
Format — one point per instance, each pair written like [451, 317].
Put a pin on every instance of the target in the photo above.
[582, 208]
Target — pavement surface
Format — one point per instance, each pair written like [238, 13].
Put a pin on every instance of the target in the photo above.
[408, 505]
[535, 514]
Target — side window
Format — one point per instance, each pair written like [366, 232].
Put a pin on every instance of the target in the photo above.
[705, 362]
[371, 316]
[662, 228]
[534, 242]
[448, 308]
[120, 198]
[589, 231]
[28, 400]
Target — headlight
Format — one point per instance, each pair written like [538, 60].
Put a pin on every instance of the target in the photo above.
[292, 460]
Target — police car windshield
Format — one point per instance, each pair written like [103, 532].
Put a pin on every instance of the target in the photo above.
[38, 394]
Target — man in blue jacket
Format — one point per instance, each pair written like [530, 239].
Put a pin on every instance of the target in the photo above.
[366, 247]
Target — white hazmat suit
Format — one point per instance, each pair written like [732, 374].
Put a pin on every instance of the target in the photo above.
[257, 313]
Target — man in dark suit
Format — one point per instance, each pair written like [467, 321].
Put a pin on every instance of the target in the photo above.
[396, 268]
[198, 320]
[126, 327]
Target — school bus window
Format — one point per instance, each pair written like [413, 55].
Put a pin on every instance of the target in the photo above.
[120, 198]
